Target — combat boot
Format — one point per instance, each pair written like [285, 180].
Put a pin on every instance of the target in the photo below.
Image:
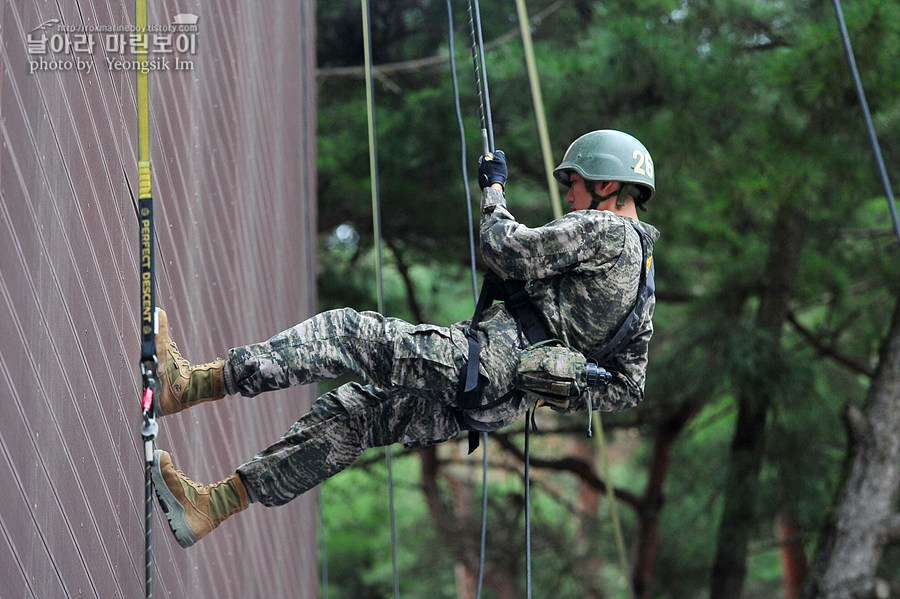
[194, 510]
[182, 385]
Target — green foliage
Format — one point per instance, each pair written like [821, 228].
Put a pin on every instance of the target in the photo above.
[747, 107]
[356, 531]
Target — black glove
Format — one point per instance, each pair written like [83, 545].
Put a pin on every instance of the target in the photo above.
[492, 169]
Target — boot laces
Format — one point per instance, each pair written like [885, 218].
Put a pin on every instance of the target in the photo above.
[193, 483]
[176, 355]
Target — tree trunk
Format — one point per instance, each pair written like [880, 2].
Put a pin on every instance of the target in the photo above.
[456, 529]
[653, 499]
[754, 397]
[587, 502]
[863, 515]
[792, 557]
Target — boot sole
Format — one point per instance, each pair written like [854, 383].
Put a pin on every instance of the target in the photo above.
[171, 506]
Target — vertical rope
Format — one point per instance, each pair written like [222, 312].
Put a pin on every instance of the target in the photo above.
[393, 518]
[376, 226]
[323, 547]
[484, 107]
[463, 158]
[528, 503]
[484, 507]
[487, 145]
[484, 76]
[870, 127]
[613, 510]
[373, 155]
[538, 101]
[487, 135]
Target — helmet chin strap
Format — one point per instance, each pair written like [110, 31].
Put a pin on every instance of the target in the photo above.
[599, 199]
[623, 192]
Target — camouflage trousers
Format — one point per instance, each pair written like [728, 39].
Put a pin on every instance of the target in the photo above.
[413, 373]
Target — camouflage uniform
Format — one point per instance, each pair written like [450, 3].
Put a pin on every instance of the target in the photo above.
[585, 268]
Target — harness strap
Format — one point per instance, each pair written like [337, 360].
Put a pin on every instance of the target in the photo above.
[470, 392]
[515, 294]
[524, 311]
[628, 329]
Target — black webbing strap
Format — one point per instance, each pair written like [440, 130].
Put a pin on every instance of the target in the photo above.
[491, 289]
[470, 382]
[149, 428]
[469, 392]
[519, 303]
[628, 329]
[515, 294]
[148, 305]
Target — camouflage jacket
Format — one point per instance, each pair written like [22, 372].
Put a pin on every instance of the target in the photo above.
[584, 269]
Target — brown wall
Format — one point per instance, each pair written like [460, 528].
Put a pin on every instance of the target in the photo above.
[232, 149]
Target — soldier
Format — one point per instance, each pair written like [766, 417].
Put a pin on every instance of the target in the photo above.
[584, 273]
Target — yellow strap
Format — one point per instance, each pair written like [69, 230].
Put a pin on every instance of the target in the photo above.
[613, 509]
[373, 155]
[538, 102]
[143, 100]
[379, 277]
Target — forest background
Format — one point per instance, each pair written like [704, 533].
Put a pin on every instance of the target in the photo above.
[764, 459]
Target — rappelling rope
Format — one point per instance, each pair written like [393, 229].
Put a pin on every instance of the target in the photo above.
[527, 476]
[613, 509]
[474, 272]
[540, 117]
[487, 147]
[149, 358]
[481, 79]
[487, 142]
[323, 547]
[538, 101]
[464, 160]
[379, 277]
[870, 127]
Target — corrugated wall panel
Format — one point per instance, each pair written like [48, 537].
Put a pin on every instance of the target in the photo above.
[233, 154]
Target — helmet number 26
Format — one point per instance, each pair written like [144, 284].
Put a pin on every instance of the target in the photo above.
[644, 165]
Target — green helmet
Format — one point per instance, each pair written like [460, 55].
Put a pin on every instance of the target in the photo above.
[609, 155]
